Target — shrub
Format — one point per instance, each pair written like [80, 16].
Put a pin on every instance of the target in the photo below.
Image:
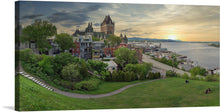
[88, 85]
[142, 76]
[25, 55]
[83, 70]
[150, 75]
[198, 71]
[71, 73]
[67, 84]
[105, 59]
[133, 76]
[178, 75]
[62, 60]
[138, 68]
[46, 65]
[127, 77]
[154, 75]
[97, 65]
[185, 76]
[212, 78]
[170, 73]
[114, 76]
[104, 74]
[108, 77]
[157, 76]
[194, 78]
[121, 76]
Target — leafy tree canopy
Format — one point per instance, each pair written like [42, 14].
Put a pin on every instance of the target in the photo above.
[65, 41]
[139, 68]
[70, 72]
[97, 65]
[125, 56]
[39, 32]
[113, 40]
[198, 71]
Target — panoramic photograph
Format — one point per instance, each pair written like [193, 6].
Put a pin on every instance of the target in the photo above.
[82, 56]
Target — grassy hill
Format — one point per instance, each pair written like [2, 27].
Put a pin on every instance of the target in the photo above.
[170, 92]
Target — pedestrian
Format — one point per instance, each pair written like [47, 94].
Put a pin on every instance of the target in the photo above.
[206, 92]
[209, 90]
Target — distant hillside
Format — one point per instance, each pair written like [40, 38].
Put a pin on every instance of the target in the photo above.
[150, 39]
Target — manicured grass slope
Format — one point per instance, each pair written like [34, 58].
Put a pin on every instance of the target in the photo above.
[106, 87]
[170, 92]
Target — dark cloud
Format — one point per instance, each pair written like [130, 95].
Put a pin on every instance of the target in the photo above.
[96, 24]
[33, 16]
[75, 17]
[64, 16]
[128, 30]
[68, 25]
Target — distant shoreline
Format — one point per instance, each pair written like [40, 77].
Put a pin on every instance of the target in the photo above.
[214, 45]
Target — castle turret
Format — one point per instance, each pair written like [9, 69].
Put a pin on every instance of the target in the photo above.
[89, 28]
[107, 26]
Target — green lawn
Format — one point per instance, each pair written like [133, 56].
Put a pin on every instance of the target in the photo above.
[106, 87]
[170, 92]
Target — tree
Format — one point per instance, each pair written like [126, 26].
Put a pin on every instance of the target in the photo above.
[46, 65]
[25, 54]
[83, 70]
[95, 39]
[133, 76]
[65, 41]
[113, 40]
[62, 60]
[105, 75]
[138, 68]
[121, 75]
[108, 77]
[70, 72]
[198, 71]
[114, 76]
[39, 32]
[97, 65]
[170, 73]
[125, 56]
[142, 76]
[127, 77]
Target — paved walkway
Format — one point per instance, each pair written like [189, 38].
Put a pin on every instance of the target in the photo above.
[74, 95]
[161, 66]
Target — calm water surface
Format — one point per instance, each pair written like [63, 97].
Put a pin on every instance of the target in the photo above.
[206, 56]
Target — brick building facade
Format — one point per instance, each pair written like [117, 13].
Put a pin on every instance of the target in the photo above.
[76, 50]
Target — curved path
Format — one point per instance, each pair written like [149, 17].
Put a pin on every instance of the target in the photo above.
[75, 95]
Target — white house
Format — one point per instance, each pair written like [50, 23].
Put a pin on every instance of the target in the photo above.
[111, 66]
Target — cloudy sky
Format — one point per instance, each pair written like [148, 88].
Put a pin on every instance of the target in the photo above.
[182, 22]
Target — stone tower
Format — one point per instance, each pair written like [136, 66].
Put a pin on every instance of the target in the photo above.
[108, 26]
